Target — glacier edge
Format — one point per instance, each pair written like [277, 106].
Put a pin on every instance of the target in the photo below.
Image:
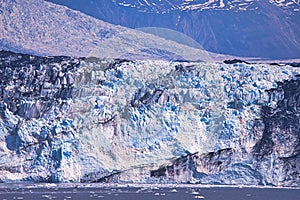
[90, 120]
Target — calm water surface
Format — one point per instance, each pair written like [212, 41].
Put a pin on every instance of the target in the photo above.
[149, 192]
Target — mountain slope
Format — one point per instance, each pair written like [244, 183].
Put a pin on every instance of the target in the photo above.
[266, 29]
[44, 28]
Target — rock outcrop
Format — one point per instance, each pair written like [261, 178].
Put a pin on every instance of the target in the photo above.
[68, 119]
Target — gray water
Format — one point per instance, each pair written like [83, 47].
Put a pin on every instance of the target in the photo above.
[143, 192]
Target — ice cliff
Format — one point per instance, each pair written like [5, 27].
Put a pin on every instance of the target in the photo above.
[68, 119]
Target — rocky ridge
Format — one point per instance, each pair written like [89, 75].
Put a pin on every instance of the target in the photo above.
[68, 119]
[44, 28]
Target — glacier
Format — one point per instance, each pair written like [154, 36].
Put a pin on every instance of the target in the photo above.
[68, 119]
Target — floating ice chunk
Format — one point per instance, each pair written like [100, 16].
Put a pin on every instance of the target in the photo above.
[199, 197]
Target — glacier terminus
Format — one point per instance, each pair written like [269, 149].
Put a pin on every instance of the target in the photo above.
[69, 119]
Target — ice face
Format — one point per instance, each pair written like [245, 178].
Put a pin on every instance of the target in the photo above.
[151, 111]
[137, 121]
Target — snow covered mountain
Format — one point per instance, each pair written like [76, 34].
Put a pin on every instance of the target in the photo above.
[100, 120]
[164, 6]
[292, 5]
[247, 28]
[43, 28]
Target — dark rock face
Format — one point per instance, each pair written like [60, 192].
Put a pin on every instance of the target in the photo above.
[90, 120]
[281, 132]
[31, 85]
[235, 61]
[196, 165]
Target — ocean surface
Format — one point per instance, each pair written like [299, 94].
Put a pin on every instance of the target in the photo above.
[143, 192]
